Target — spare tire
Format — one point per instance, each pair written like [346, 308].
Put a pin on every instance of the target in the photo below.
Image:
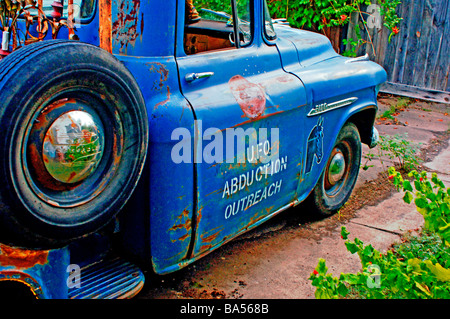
[73, 143]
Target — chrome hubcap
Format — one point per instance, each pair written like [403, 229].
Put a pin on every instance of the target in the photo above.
[336, 169]
[73, 146]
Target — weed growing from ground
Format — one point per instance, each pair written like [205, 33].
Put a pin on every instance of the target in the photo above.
[405, 153]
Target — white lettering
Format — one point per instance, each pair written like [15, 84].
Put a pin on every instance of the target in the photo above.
[264, 194]
[226, 190]
[234, 185]
[259, 173]
[197, 309]
[252, 199]
[266, 148]
[247, 179]
[228, 211]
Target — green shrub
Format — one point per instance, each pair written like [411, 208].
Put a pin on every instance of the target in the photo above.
[418, 268]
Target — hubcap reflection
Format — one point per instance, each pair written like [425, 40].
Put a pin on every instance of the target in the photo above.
[337, 168]
[73, 146]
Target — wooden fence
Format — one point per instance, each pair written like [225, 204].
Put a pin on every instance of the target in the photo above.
[417, 59]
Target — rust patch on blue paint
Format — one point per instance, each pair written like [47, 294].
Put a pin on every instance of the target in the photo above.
[160, 69]
[125, 25]
[187, 225]
[249, 96]
[207, 241]
[22, 258]
[159, 83]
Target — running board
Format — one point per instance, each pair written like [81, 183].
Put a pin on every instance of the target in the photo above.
[109, 279]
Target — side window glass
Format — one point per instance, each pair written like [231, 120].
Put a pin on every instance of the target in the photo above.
[268, 26]
[82, 9]
[244, 17]
[209, 25]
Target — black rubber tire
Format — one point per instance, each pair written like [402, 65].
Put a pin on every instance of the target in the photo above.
[37, 211]
[326, 201]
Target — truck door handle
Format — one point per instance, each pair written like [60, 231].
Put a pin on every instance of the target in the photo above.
[195, 76]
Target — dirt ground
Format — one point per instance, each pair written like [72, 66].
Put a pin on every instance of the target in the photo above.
[275, 260]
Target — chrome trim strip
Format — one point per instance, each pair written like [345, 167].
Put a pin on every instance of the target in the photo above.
[359, 59]
[325, 107]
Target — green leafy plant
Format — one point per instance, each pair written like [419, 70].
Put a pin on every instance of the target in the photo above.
[354, 45]
[397, 148]
[402, 272]
[417, 268]
[431, 197]
[391, 19]
[324, 14]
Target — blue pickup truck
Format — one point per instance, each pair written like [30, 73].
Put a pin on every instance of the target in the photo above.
[146, 134]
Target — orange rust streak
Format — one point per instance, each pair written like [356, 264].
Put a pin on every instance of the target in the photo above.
[185, 212]
[184, 237]
[186, 225]
[165, 101]
[210, 238]
[105, 28]
[21, 258]
[253, 120]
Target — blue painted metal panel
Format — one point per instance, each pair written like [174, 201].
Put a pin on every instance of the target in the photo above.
[168, 199]
[249, 90]
[144, 29]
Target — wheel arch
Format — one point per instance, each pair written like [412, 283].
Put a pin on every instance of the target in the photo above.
[364, 120]
[21, 288]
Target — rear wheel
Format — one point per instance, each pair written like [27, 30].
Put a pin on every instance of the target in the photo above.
[74, 141]
[340, 174]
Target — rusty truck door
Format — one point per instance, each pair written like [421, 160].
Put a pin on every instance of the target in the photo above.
[247, 152]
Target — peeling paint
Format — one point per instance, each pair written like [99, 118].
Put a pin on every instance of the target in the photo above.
[187, 225]
[125, 24]
[250, 96]
[159, 83]
[21, 258]
[207, 241]
[105, 29]
[160, 69]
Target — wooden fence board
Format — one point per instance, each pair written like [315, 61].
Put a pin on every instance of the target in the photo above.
[414, 25]
[443, 66]
[419, 55]
[422, 52]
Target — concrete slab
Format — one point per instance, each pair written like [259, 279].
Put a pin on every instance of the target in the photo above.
[299, 257]
[415, 135]
[392, 215]
[441, 163]
[424, 120]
